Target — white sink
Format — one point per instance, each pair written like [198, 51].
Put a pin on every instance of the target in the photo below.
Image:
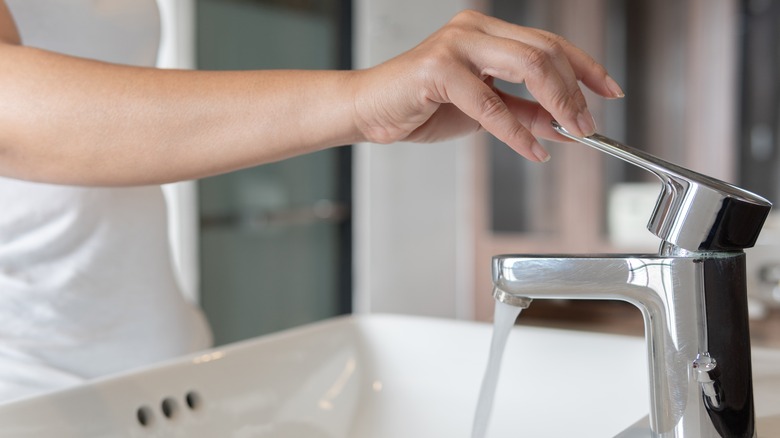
[374, 376]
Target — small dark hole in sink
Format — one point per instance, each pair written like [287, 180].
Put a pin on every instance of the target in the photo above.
[193, 400]
[169, 407]
[145, 416]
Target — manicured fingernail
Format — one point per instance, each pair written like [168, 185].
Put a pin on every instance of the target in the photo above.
[614, 88]
[539, 152]
[586, 123]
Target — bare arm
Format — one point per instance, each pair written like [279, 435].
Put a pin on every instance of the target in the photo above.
[84, 122]
[75, 121]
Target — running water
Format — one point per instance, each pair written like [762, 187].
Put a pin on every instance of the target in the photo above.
[503, 320]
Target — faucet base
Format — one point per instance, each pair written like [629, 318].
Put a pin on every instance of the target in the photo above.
[695, 311]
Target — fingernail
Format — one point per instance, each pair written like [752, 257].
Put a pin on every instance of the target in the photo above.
[539, 152]
[586, 123]
[614, 88]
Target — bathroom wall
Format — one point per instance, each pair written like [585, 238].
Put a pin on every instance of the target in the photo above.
[412, 202]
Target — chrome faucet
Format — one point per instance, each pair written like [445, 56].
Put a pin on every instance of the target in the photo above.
[692, 295]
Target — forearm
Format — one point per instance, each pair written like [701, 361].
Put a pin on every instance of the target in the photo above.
[74, 121]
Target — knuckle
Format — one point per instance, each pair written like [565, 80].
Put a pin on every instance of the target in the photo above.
[492, 106]
[521, 135]
[467, 16]
[562, 101]
[554, 39]
[445, 43]
[453, 35]
[437, 61]
[556, 47]
[536, 61]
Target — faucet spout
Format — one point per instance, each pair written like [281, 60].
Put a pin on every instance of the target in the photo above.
[694, 307]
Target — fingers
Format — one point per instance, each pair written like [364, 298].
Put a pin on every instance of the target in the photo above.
[550, 79]
[549, 65]
[531, 115]
[480, 102]
[584, 67]
[591, 73]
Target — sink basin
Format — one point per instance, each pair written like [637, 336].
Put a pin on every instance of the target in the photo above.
[373, 376]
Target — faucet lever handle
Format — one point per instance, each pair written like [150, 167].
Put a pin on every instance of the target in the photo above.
[695, 212]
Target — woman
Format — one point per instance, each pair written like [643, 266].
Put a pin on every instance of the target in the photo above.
[86, 286]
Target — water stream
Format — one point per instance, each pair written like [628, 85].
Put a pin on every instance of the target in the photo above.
[503, 321]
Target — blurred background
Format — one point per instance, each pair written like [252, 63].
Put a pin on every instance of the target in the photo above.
[411, 228]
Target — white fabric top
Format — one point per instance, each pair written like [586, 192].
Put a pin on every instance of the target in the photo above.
[86, 281]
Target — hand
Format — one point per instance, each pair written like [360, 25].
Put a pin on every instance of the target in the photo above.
[444, 87]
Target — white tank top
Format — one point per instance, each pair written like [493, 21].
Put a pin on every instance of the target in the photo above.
[86, 281]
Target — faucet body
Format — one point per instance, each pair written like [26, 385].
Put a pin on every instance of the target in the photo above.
[692, 295]
[694, 307]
